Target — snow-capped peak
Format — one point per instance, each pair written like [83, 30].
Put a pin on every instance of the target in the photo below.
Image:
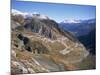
[25, 14]
[71, 21]
[15, 12]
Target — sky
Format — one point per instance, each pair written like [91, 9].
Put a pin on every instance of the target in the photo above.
[57, 12]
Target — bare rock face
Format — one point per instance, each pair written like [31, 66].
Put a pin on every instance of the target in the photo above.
[39, 45]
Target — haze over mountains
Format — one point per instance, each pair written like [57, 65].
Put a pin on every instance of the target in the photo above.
[38, 44]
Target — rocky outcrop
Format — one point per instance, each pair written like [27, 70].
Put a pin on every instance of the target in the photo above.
[39, 45]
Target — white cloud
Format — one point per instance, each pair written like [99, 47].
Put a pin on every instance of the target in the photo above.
[26, 14]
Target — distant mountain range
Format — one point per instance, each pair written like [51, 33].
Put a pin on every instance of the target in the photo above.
[70, 21]
[84, 30]
[78, 27]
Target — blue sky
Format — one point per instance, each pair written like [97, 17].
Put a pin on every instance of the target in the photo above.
[58, 12]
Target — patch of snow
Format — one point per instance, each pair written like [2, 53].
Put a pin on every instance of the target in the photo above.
[14, 12]
[71, 21]
[27, 15]
[24, 14]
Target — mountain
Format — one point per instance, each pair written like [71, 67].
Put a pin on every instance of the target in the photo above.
[85, 31]
[89, 21]
[28, 15]
[82, 27]
[78, 21]
[89, 41]
[71, 21]
[39, 45]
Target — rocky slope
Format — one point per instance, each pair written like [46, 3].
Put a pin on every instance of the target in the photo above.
[39, 45]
